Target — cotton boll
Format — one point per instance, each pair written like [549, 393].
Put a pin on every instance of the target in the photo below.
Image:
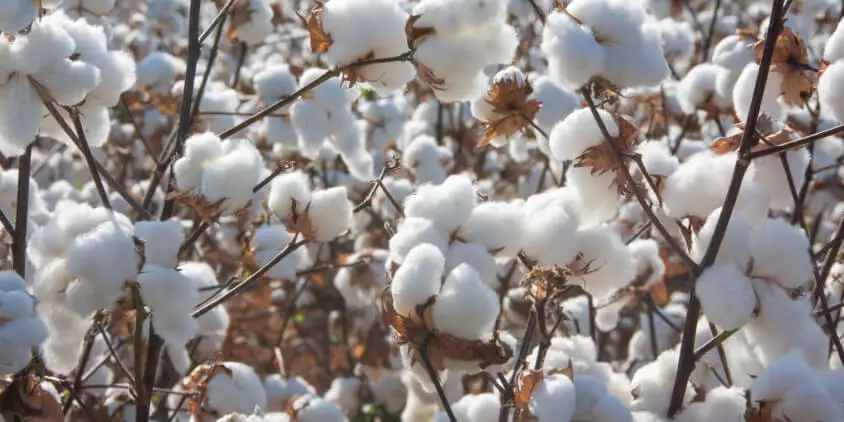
[733, 52]
[609, 259]
[698, 86]
[413, 231]
[744, 88]
[317, 409]
[497, 226]
[579, 132]
[699, 185]
[465, 306]
[16, 15]
[422, 157]
[735, 247]
[199, 150]
[311, 124]
[475, 255]
[418, 278]
[556, 104]
[781, 254]
[649, 265]
[554, 399]
[780, 376]
[236, 390]
[344, 393]
[780, 313]
[353, 151]
[231, 177]
[610, 409]
[726, 295]
[289, 192]
[811, 402]
[158, 70]
[550, 236]
[280, 389]
[598, 192]
[330, 213]
[19, 123]
[21, 329]
[562, 40]
[657, 158]
[653, 382]
[162, 240]
[448, 205]
[274, 82]
[769, 172]
[267, 242]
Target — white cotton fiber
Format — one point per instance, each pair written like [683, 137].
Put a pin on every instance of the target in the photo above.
[781, 254]
[550, 236]
[330, 212]
[578, 132]
[447, 205]
[418, 278]
[465, 306]
[726, 295]
[554, 399]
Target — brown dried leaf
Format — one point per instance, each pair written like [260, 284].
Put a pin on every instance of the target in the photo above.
[764, 413]
[320, 41]
[415, 36]
[512, 110]
[427, 75]
[602, 157]
[239, 15]
[791, 59]
[528, 383]
[727, 144]
[303, 224]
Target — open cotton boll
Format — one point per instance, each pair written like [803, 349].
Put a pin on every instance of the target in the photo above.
[311, 124]
[202, 275]
[649, 265]
[574, 56]
[831, 82]
[834, 49]
[330, 95]
[733, 52]
[556, 103]
[448, 205]
[553, 399]
[344, 393]
[280, 389]
[550, 236]
[414, 231]
[609, 259]
[466, 307]
[351, 145]
[726, 295]
[652, 384]
[418, 278]
[743, 93]
[342, 21]
[200, 149]
[20, 122]
[103, 259]
[497, 226]
[422, 157]
[167, 292]
[781, 254]
[330, 213]
[699, 185]
[769, 172]
[597, 192]
[579, 132]
[231, 177]
[237, 390]
[158, 71]
[477, 257]
[809, 402]
[735, 246]
[259, 24]
[317, 409]
[274, 82]
[289, 192]
[789, 371]
[657, 158]
[698, 87]
[16, 15]
[779, 313]
[21, 329]
[267, 242]
[161, 241]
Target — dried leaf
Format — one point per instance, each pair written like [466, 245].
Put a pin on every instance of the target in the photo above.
[602, 158]
[320, 41]
[427, 75]
[415, 36]
[726, 144]
[512, 111]
[791, 61]
[239, 15]
[763, 413]
[528, 383]
[303, 224]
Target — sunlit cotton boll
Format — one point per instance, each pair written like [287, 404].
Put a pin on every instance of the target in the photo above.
[465, 306]
[330, 213]
[781, 254]
[726, 295]
[448, 205]
[418, 278]
[554, 399]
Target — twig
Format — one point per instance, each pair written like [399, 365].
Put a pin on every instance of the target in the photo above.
[7, 225]
[797, 143]
[241, 59]
[435, 379]
[707, 43]
[686, 361]
[82, 144]
[239, 287]
[218, 20]
[22, 212]
[408, 56]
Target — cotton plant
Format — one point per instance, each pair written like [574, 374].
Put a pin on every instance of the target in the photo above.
[218, 176]
[454, 42]
[603, 39]
[334, 30]
[318, 215]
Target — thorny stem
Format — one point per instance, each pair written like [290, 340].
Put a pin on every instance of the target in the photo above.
[239, 287]
[686, 361]
[408, 56]
[435, 379]
[22, 212]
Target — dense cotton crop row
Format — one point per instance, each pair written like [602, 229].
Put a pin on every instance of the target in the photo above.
[421, 210]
